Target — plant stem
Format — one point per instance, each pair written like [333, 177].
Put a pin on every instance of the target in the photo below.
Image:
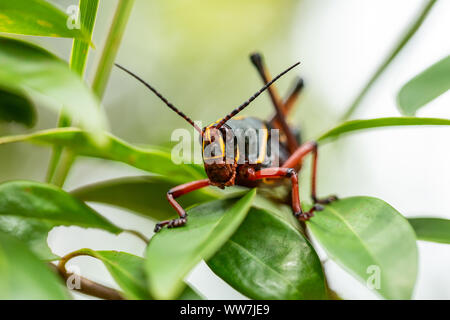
[87, 286]
[103, 70]
[66, 159]
[404, 40]
[111, 46]
[78, 59]
[138, 235]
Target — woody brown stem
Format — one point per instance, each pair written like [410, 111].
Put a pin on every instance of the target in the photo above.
[86, 286]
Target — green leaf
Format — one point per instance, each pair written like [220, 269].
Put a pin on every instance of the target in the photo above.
[23, 276]
[29, 210]
[172, 253]
[32, 232]
[425, 87]
[414, 26]
[357, 125]
[126, 269]
[36, 18]
[15, 107]
[190, 294]
[431, 229]
[80, 48]
[78, 58]
[145, 195]
[111, 46]
[372, 240]
[128, 272]
[30, 69]
[152, 159]
[267, 258]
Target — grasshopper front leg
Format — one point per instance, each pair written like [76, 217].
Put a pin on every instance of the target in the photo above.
[174, 193]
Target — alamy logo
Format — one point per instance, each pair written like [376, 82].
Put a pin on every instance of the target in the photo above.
[73, 21]
[73, 282]
[252, 146]
[374, 279]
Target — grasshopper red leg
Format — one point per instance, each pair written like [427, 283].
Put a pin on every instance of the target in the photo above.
[299, 154]
[174, 193]
[280, 120]
[326, 200]
[284, 173]
[291, 99]
[293, 95]
[296, 158]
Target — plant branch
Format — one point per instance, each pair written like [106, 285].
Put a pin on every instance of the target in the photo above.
[111, 46]
[102, 73]
[86, 286]
[57, 171]
[404, 40]
[66, 159]
[138, 234]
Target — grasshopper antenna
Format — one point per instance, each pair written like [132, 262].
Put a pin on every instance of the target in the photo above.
[159, 95]
[245, 104]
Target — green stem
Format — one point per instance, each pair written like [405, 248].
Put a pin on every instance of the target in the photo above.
[78, 59]
[66, 159]
[138, 235]
[111, 46]
[87, 286]
[103, 71]
[405, 39]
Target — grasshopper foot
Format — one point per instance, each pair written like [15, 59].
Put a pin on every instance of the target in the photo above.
[326, 200]
[174, 223]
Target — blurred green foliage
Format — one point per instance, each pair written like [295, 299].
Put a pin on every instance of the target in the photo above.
[196, 54]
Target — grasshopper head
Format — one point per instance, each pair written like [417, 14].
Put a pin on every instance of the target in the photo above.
[219, 155]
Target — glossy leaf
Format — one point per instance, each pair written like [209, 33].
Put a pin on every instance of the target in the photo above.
[172, 253]
[29, 210]
[373, 241]
[128, 272]
[146, 195]
[190, 294]
[267, 258]
[425, 87]
[152, 159]
[126, 269]
[431, 229]
[357, 125]
[15, 107]
[415, 25]
[27, 68]
[23, 276]
[37, 18]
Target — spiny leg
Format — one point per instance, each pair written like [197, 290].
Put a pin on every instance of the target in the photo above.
[174, 193]
[280, 122]
[314, 198]
[284, 173]
[293, 95]
[297, 158]
[291, 99]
